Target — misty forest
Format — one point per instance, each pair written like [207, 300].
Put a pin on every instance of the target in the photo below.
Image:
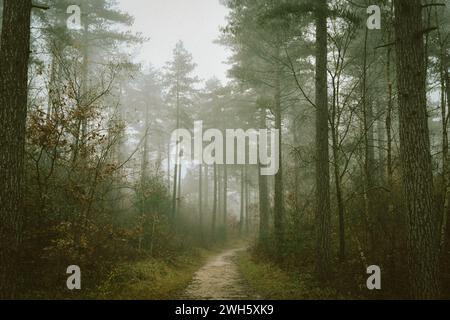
[90, 182]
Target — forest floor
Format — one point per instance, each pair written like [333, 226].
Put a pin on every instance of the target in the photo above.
[220, 279]
[272, 282]
[152, 278]
[226, 272]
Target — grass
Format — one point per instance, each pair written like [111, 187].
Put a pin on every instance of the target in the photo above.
[271, 282]
[151, 279]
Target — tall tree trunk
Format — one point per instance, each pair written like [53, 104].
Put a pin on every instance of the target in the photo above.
[207, 200]
[369, 156]
[168, 166]
[334, 122]
[180, 166]
[246, 197]
[337, 179]
[381, 137]
[446, 213]
[214, 212]
[389, 164]
[263, 197]
[14, 56]
[84, 80]
[390, 105]
[145, 161]
[175, 197]
[225, 197]
[220, 192]
[200, 199]
[415, 150]
[445, 91]
[445, 168]
[323, 215]
[445, 228]
[174, 193]
[242, 213]
[279, 187]
[52, 85]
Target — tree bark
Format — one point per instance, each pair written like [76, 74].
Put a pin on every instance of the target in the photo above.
[207, 187]
[174, 193]
[369, 158]
[178, 212]
[246, 198]
[214, 212]
[225, 197]
[220, 192]
[279, 187]
[200, 199]
[322, 151]
[145, 160]
[337, 180]
[263, 198]
[242, 213]
[415, 150]
[168, 166]
[14, 57]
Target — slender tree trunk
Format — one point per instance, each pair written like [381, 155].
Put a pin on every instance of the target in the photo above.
[225, 197]
[369, 156]
[180, 166]
[323, 214]
[145, 161]
[175, 197]
[174, 193]
[296, 174]
[200, 199]
[168, 166]
[246, 197]
[334, 121]
[447, 212]
[389, 168]
[445, 169]
[415, 150]
[214, 212]
[337, 181]
[242, 213]
[389, 163]
[279, 187]
[220, 192]
[381, 137]
[263, 197]
[207, 200]
[14, 56]
[52, 86]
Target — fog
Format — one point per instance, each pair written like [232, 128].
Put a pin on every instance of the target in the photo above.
[195, 22]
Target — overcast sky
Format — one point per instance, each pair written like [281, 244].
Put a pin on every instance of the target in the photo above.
[195, 22]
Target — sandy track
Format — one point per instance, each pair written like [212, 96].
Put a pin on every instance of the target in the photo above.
[219, 279]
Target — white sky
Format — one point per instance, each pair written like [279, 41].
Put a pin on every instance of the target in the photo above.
[195, 22]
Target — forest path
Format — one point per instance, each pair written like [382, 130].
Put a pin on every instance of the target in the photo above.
[219, 279]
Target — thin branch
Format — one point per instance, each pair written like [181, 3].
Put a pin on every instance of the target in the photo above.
[385, 45]
[40, 6]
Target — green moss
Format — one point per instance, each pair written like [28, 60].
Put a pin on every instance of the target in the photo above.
[273, 283]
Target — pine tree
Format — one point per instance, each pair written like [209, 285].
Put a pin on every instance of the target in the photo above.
[14, 56]
[415, 150]
[180, 93]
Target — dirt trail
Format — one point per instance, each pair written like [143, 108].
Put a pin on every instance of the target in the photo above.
[219, 279]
